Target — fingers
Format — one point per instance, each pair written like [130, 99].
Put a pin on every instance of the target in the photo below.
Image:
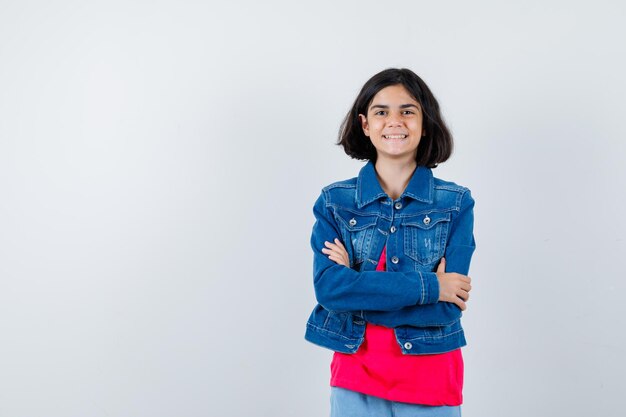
[453, 287]
[461, 304]
[464, 288]
[337, 259]
[332, 252]
[331, 247]
[341, 260]
[338, 242]
[336, 252]
[458, 297]
[461, 277]
[335, 246]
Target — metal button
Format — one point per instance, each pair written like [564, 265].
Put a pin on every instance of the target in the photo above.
[393, 229]
[352, 222]
[398, 205]
[408, 346]
[395, 259]
[426, 219]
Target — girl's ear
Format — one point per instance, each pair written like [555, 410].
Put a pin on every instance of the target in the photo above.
[364, 125]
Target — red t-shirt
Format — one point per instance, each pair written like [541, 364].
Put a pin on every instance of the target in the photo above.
[380, 369]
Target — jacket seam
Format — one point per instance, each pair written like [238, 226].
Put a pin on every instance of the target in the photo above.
[338, 185]
[423, 298]
[443, 336]
[458, 188]
[333, 333]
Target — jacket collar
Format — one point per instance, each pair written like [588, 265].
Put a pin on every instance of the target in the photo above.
[368, 188]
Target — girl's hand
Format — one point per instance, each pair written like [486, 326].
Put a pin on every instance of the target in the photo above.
[453, 287]
[336, 252]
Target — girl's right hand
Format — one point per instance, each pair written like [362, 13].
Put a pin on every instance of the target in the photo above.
[453, 287]
[337, 252]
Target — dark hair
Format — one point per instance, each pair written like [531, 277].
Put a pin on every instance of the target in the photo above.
[435, 147]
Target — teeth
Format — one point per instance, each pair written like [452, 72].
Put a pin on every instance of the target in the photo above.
[395, 136]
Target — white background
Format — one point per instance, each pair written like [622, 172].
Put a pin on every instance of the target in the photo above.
[158, 165]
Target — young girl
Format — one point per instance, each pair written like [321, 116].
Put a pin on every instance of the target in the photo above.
[392, 249]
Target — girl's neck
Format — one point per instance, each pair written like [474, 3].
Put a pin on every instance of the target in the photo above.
[394, 175]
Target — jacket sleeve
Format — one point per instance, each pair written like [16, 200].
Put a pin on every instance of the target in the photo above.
[343, 289]
[458, 254]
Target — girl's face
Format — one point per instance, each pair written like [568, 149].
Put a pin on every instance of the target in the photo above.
[394, 123]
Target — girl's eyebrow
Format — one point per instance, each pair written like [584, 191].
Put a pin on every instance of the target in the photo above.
[384, 106]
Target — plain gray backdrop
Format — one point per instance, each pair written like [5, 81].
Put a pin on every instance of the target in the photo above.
[158, 165]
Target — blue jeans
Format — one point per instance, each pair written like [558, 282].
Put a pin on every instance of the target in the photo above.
[347, 403]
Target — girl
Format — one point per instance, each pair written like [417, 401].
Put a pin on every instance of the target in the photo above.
[392, 249]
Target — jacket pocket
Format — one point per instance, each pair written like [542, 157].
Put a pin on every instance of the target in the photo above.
[425, 236]
[357, 232]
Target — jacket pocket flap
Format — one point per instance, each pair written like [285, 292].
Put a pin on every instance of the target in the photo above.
[427, 220]
[355, 222]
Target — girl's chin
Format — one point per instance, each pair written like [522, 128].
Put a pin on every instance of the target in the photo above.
[398, 148]
[396, 153]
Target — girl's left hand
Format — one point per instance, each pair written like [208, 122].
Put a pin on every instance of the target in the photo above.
[337, 252]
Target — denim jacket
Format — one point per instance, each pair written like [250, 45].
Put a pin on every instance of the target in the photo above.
[431, 219]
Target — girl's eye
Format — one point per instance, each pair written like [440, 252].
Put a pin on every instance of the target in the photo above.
[380, 113]
[407, 112]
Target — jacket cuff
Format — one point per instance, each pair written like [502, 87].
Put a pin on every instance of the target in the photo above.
[430, 288]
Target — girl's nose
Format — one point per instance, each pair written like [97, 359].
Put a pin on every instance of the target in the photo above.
[394, 120]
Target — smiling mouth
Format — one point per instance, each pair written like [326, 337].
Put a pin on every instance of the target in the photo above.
[394, 136]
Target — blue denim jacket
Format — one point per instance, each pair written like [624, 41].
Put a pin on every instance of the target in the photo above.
[431, 219]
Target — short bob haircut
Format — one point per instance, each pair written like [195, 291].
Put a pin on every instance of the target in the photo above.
[434, 148]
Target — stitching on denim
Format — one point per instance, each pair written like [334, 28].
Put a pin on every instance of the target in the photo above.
[438, 324]
[331, 332]
[337, 207]
[357, 212]
[457, 188]
[358, 197]
[435, 337]
[459, 200]
[418, 198]
[423, 300]
[431, 187]
[327, 319]
[357, 191]
[440, 230]
[429, 350]
[352, 228]
[370, 201]
[433, 223]
[326, 198]
[442, 212]
[376, 214]
[339, 185]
